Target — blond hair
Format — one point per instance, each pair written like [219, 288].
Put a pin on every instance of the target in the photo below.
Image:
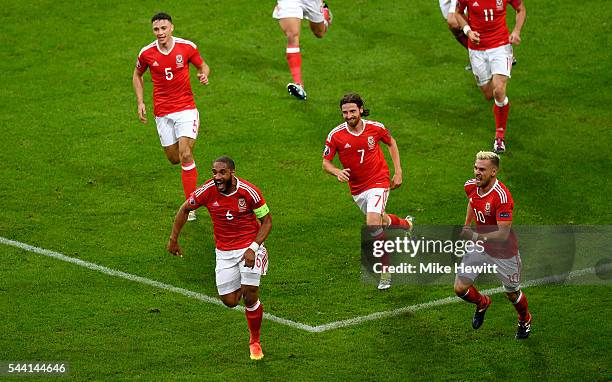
[488, 155]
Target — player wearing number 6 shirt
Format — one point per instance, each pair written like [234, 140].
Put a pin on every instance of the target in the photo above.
[490, 206]
[241, 222]
[356, 142]
[490, 50]
[176, 116]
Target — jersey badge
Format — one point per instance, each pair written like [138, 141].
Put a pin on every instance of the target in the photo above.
[347, 146]
[154, 63]
[505, 215]
[179, 60]
[500, 4]
[192, 201]
[371, 142]
[488, 209]
[242, 204]
[326, 151]
[475, 4]
[215, 204]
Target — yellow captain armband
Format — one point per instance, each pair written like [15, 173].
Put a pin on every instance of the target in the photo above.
[261, 211]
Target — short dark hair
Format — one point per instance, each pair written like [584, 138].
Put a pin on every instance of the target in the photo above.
[161, 16]
[227, 160]
[356, 99]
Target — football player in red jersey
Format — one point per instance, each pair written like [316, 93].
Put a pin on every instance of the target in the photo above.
[364, 167]
[176, 115]
[241, 223]
[289, 14]
[490, 50]
[490, 206]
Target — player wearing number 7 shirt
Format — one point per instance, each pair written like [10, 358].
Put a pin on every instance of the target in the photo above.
[241, 222]
[356, 141]
[490, 50]
[176, 116]
[490, 206]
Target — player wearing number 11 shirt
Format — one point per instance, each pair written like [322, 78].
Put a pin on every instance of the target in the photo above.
[490, 51]
[176, 116]
[241, 222]
[356, 142]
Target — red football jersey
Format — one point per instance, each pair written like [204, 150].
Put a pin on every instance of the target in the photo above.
[490, 208]
[235, 225]
[170, 75]
[488, 17]
[362, 154]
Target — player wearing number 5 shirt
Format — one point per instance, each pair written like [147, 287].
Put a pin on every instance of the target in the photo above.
[176, 116]
[356, 141]
[241, 223]
[490, 206]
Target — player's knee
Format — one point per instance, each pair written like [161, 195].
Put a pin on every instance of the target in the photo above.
[229, 301]
[512, 296]
[186, 156]
[460, 290]
[319, 33]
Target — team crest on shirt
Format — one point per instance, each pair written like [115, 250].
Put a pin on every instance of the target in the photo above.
[326, 151]
[500, 4]
[242, 204]
[371, 142]
[488, 209]
[179, 60]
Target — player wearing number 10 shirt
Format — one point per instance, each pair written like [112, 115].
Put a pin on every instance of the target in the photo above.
[356, 142]
[176, 116]
[490, 206]
[241, 222]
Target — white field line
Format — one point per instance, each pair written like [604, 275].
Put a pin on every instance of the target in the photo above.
[280, 320]
[143, 280]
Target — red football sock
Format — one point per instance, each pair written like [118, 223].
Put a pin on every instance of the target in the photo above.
[395, 220]
[294, 59]
[472, 295]
[522, 307]
[500, 110]
[189, 176]
[254, 315]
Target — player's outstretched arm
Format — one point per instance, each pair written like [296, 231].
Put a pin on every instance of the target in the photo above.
[342, 175]
[397, 180]
[203, 73]
[138, 83]
[521, 16]
[179, 221]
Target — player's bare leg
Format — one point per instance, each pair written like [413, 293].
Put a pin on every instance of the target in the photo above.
[172, 153]
[254, 314]
[318, 29]
[519, 300]
[232, 299]
[291, 28]
[465, 289]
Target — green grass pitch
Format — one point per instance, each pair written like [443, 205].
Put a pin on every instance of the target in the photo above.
[81, 175]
